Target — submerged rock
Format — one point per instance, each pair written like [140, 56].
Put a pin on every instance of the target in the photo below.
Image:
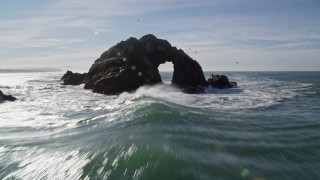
[70, 78]
[6, 97]
[221, 81]
[193, 90]
[134, 62]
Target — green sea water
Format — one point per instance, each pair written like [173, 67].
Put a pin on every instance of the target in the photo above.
[267, 128]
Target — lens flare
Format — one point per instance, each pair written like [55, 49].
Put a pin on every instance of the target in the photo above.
[245, 172]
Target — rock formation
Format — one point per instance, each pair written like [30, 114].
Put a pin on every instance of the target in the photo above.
[6, 97]
[221, 81]
[134, 62]
[70, 78]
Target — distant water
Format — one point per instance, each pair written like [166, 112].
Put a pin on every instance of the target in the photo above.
[267, 128]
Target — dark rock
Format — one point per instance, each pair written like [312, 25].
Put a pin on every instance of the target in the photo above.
[193, 90]
[70, 78]
[220, 81]
[6, 97]
[133, 63]
[233, 84]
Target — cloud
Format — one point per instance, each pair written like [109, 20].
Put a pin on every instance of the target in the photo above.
[62, 59]
[215, 29]
[30, 41]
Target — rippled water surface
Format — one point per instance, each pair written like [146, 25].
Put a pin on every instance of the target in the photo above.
[267, 128]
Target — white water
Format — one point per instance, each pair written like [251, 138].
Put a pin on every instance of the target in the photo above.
[42, 99]
[46, 111]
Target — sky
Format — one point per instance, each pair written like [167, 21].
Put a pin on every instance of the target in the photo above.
[222, 35]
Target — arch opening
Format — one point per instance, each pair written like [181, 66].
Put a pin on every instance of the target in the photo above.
[166, 72]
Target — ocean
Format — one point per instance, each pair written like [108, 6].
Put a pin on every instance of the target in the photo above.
[267, 128]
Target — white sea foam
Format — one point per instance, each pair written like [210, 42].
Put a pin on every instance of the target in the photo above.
[250, 94]
[47, 112]
[44, 103]
[38, 163]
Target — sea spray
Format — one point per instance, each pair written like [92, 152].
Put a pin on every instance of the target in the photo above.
[267, 128]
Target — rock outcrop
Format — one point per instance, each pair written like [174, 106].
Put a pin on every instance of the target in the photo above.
[134, 62]
[221, 81]
[6, 97]
[70, 78]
